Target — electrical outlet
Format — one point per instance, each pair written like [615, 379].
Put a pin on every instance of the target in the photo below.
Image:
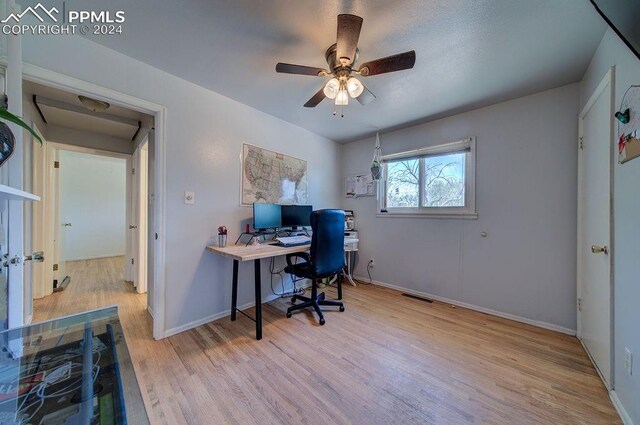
[372, 262]
[628, 361]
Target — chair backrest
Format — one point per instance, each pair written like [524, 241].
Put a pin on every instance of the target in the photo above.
[327, 241]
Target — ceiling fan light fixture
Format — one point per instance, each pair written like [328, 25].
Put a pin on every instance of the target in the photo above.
[332, 88]
[342, 99]
[354, 87]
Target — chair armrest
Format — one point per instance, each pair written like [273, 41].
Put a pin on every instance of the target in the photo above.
[305, 256]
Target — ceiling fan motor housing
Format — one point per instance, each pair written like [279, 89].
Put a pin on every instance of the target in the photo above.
[334, 62]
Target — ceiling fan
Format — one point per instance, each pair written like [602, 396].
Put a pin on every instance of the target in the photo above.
[341, 58]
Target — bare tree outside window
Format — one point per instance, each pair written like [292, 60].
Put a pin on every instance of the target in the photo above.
[444, 181]
[403, 183]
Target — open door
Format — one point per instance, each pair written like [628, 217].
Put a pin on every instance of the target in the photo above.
[61, 225]
[138, 226]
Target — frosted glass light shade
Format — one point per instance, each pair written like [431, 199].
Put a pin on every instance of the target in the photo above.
[354, 87]
[342, 98]
[331, 88]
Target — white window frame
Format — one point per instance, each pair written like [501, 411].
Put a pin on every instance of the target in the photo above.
[466, 212]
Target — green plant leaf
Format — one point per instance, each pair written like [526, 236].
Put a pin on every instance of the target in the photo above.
[8, 116]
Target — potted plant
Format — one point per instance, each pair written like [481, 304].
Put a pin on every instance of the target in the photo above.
[376, 170]
[7, 139]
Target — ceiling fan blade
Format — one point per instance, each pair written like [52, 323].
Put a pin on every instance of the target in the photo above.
[349, 27]
[393, 63]
[288, 68]
[366, 96]
[316, 99]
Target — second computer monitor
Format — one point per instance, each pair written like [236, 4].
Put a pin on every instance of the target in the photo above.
[296, 215]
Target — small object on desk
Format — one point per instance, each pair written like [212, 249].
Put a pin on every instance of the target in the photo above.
[349, 220]
[246, 229]
[222, 236]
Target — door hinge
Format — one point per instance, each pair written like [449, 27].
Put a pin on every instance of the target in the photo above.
[133, 171]
[132, 261]
[4, 101]
[581, 144]
[579, 304]
[55, 267]
[56, 164]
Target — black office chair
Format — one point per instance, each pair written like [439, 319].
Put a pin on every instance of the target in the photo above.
[325, 260]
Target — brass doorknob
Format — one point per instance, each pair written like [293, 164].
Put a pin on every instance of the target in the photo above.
[600, 249]
[36, 257]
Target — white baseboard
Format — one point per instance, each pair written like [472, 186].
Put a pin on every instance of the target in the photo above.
[509, 316]
[213, 317]
[150, 310]
[626, 419]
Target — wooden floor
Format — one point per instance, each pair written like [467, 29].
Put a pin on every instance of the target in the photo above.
[387, 359]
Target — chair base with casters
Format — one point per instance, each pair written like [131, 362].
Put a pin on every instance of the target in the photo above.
[315, 301]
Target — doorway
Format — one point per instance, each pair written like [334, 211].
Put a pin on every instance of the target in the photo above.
[595, 227]
[90, 212]
[93, 175]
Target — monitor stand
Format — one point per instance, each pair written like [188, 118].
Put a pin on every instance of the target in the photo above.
[298, 231]
[255, 234]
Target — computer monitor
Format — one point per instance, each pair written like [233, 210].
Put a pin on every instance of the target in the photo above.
[296, 215]
[266, 216]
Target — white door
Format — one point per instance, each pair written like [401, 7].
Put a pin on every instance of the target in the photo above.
[62, 225]
[594, 227]
[131, 272]
[138, 219]
[141, 184]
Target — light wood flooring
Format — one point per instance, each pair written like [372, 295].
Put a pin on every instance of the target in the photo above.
[387, 359]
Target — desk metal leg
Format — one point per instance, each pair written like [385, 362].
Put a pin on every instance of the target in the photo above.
[234, 291]
[258, 284]
[349, 268]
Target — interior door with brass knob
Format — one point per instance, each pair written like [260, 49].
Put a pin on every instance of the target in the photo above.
[595, 152]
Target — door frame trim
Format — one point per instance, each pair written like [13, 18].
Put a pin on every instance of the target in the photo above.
[607, 80]
[60, 81]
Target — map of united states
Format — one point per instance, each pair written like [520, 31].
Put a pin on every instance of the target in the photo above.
[272, 177]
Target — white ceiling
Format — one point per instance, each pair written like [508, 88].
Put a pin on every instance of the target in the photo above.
[470, 53]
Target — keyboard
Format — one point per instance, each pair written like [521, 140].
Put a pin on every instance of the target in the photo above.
[294, 240]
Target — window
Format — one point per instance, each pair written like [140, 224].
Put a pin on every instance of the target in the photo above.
[437, 181]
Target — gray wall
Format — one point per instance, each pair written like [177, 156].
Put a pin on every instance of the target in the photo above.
[612, 51]
[204, 132]
[526, 201]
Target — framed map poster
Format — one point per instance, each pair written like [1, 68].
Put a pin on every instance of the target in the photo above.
[272, 177]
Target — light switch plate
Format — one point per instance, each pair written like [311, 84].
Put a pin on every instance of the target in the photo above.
[189, 198]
